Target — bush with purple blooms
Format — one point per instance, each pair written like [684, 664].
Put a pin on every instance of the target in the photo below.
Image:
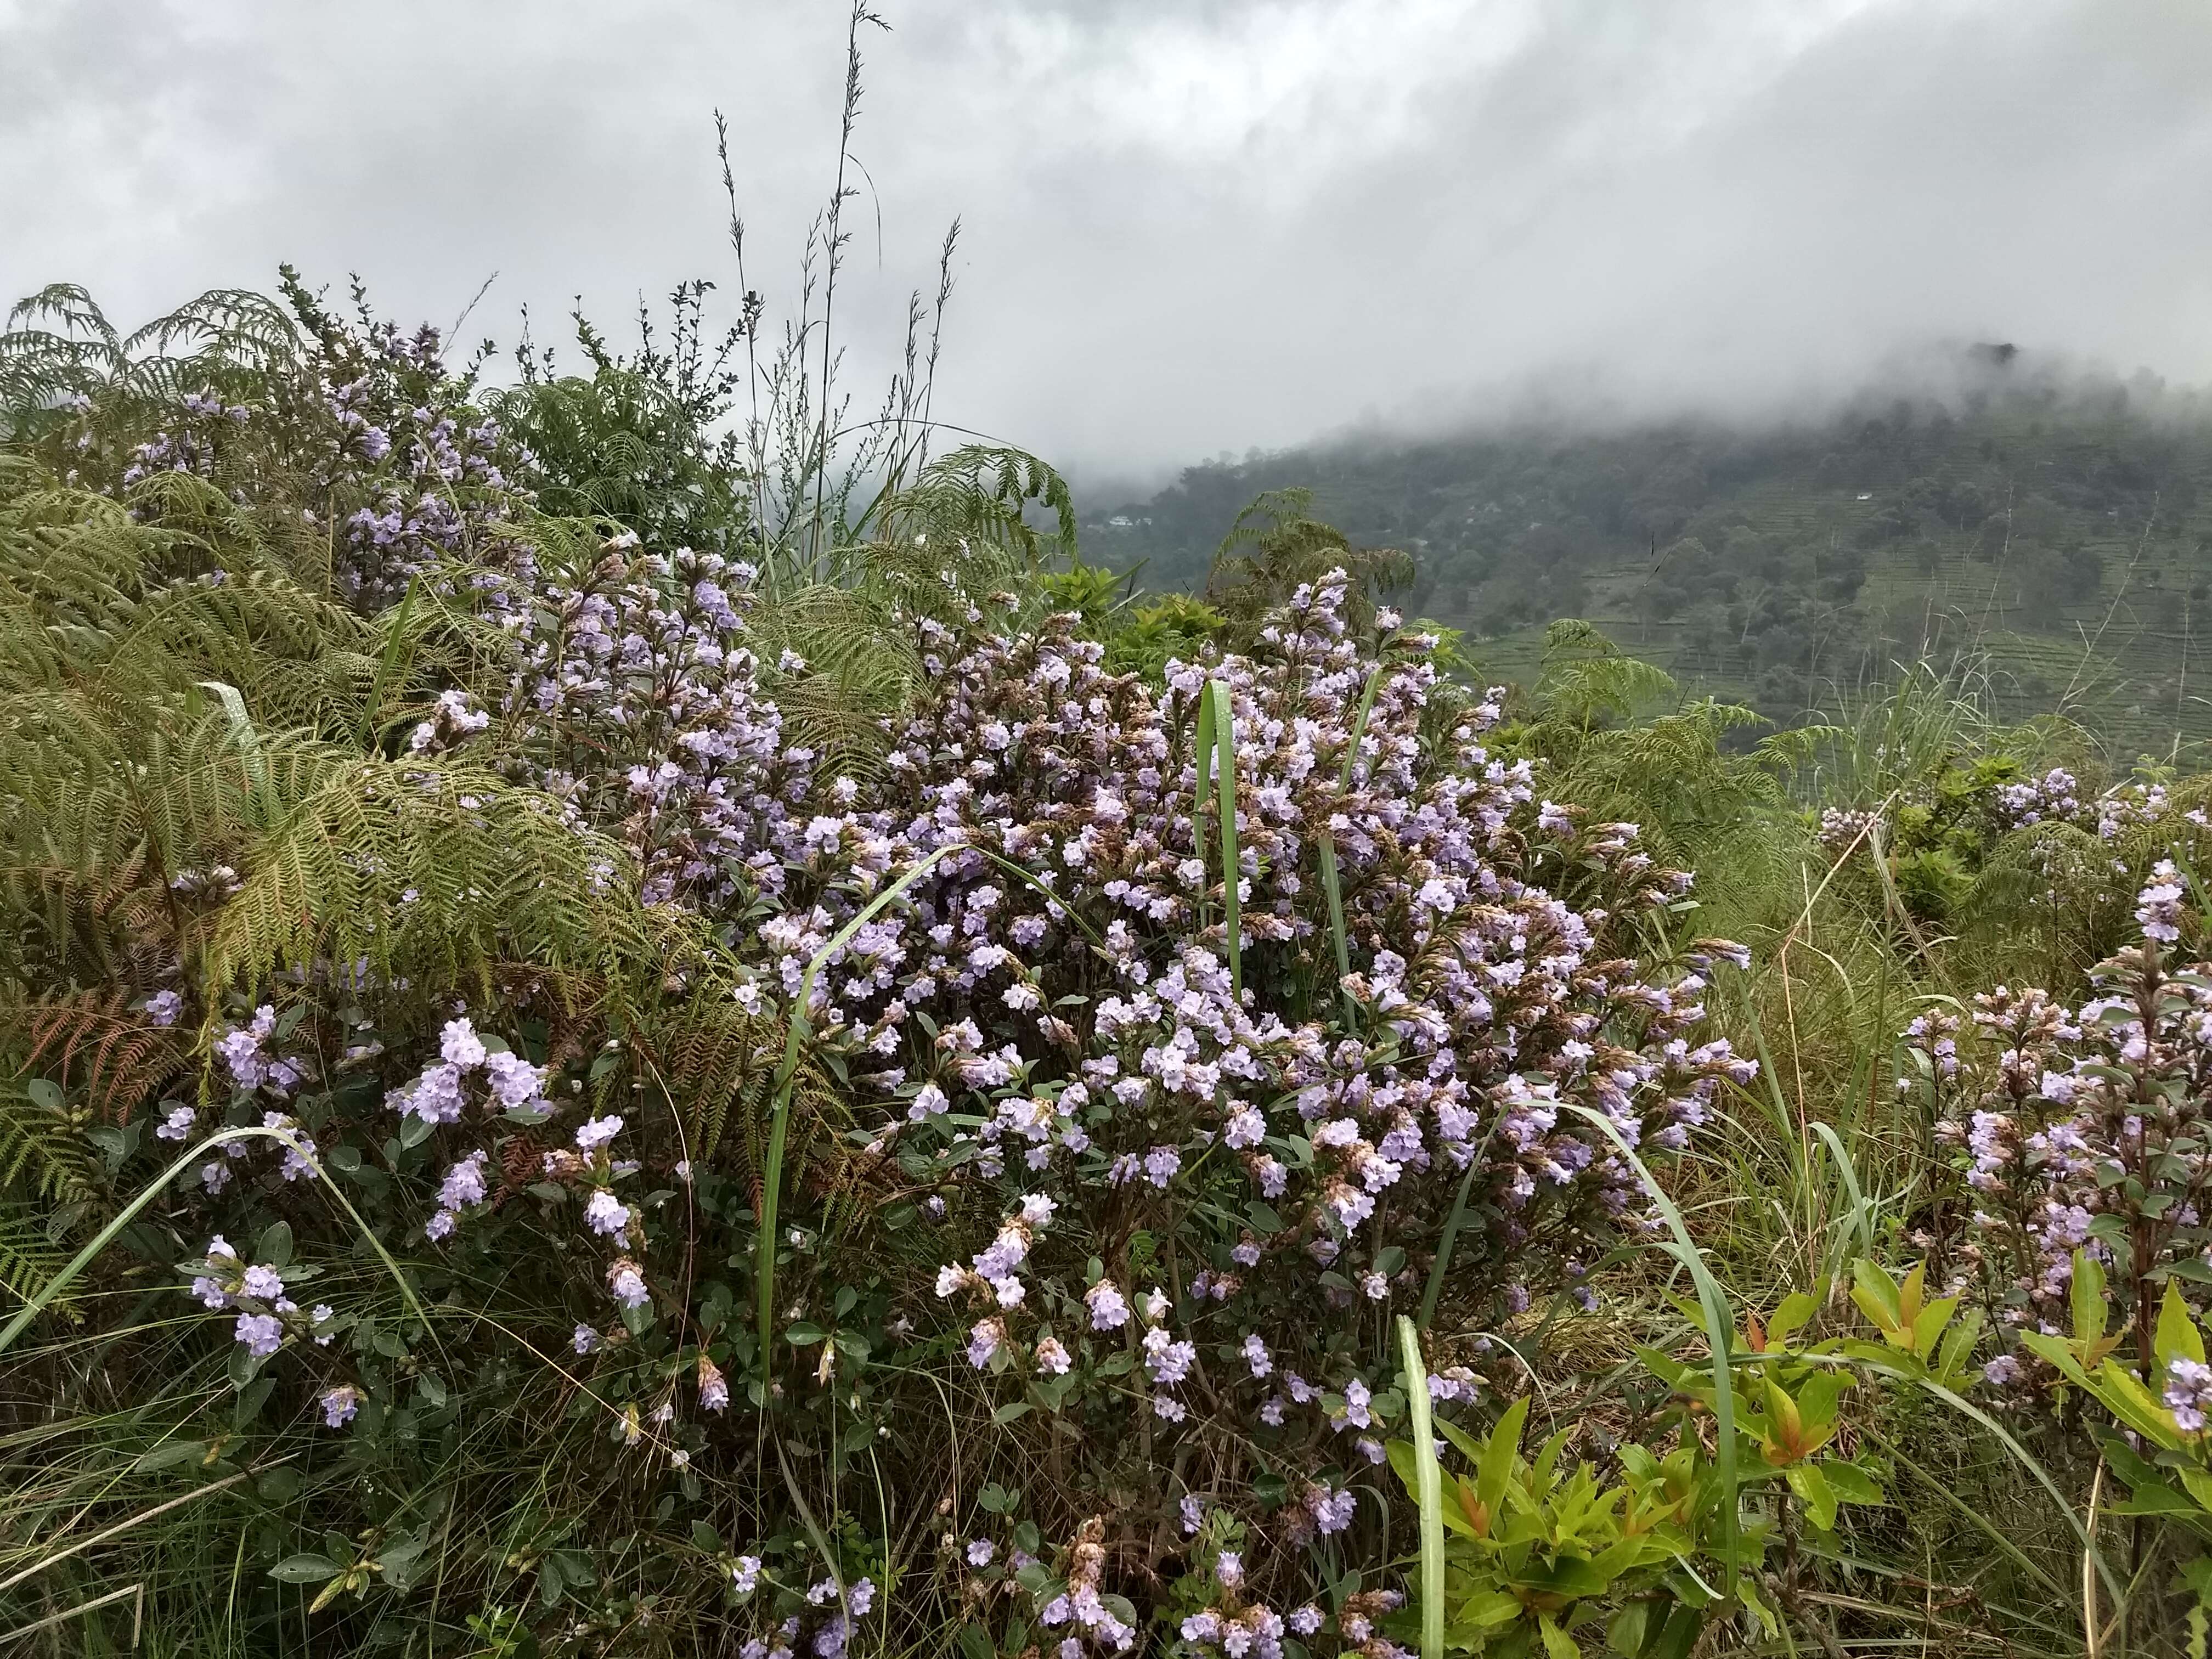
[2079, 1128]
[620, 1097]
[553, 959]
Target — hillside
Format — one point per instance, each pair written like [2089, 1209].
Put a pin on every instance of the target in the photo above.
[2063, 538]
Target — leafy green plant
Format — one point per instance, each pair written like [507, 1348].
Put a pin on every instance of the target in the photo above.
[2157, 1443]
[1542, 1546]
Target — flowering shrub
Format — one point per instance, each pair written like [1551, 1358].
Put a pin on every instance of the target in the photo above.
[1144, 1189]
[576, 1137]
[2081, 1133]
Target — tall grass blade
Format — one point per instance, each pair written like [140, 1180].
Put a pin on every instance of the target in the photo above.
[107, 1235]
[1430, 1485]
[2026, 1461]
[1861, 1217]
[1452, 1222]
[387, 664]
[1719, 1328]
[249, 748]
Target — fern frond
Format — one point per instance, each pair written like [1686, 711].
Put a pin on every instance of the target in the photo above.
[44, 1157]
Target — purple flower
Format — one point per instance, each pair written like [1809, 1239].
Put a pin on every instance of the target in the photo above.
[985, 1339]
[265, 1283]
[1107, 1310]
[714, 1388]
[2188, 1393]
[627, 1282]
[1331, 1507]
[605, 1214]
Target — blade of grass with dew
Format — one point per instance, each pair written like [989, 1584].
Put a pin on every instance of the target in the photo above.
[1719, 1327]
[1429, 1482]
[1225, 739]
[786, 1075]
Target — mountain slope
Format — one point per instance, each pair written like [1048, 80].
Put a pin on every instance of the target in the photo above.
[2062, 539]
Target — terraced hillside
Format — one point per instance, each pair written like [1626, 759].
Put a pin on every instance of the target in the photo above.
[2062, 542]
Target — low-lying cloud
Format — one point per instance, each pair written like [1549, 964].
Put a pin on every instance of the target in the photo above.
[1191, 225]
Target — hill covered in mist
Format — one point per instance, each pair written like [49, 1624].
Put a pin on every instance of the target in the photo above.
[2059, 536]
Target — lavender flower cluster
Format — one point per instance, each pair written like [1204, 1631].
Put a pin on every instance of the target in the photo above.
[414, 474]
[2081, 1128]
[1149, 1152]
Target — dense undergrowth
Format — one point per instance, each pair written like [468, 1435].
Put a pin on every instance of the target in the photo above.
[622, 1040]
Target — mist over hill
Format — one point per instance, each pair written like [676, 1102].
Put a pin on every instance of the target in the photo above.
[2054, 527]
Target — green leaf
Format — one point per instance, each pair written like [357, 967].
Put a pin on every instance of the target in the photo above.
[274, 1245]
[1876, 1294]
[2177, 1335]
[1951, 1359]
[1625, 1634]
[1851, 1484]
[400, 1559]
[804, 1334]
[1931, 1323]
[1013, 1409]
[1469, 1447]
[169, 1454]
[2058, 1352]
[1497, 1458]
[305, 1569]
[1790, 1318]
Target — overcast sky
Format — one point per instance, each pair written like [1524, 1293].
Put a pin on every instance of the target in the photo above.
[1191, 225]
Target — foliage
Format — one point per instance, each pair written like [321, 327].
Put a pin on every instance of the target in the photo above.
[2053, 532]
[627, 1032]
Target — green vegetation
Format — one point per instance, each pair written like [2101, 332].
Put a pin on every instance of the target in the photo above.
[638, 1021]
[2057, 541]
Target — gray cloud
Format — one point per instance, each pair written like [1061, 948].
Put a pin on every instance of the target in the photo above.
[1191, 226]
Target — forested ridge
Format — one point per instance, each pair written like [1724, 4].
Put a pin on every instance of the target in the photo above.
[2057, 534]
